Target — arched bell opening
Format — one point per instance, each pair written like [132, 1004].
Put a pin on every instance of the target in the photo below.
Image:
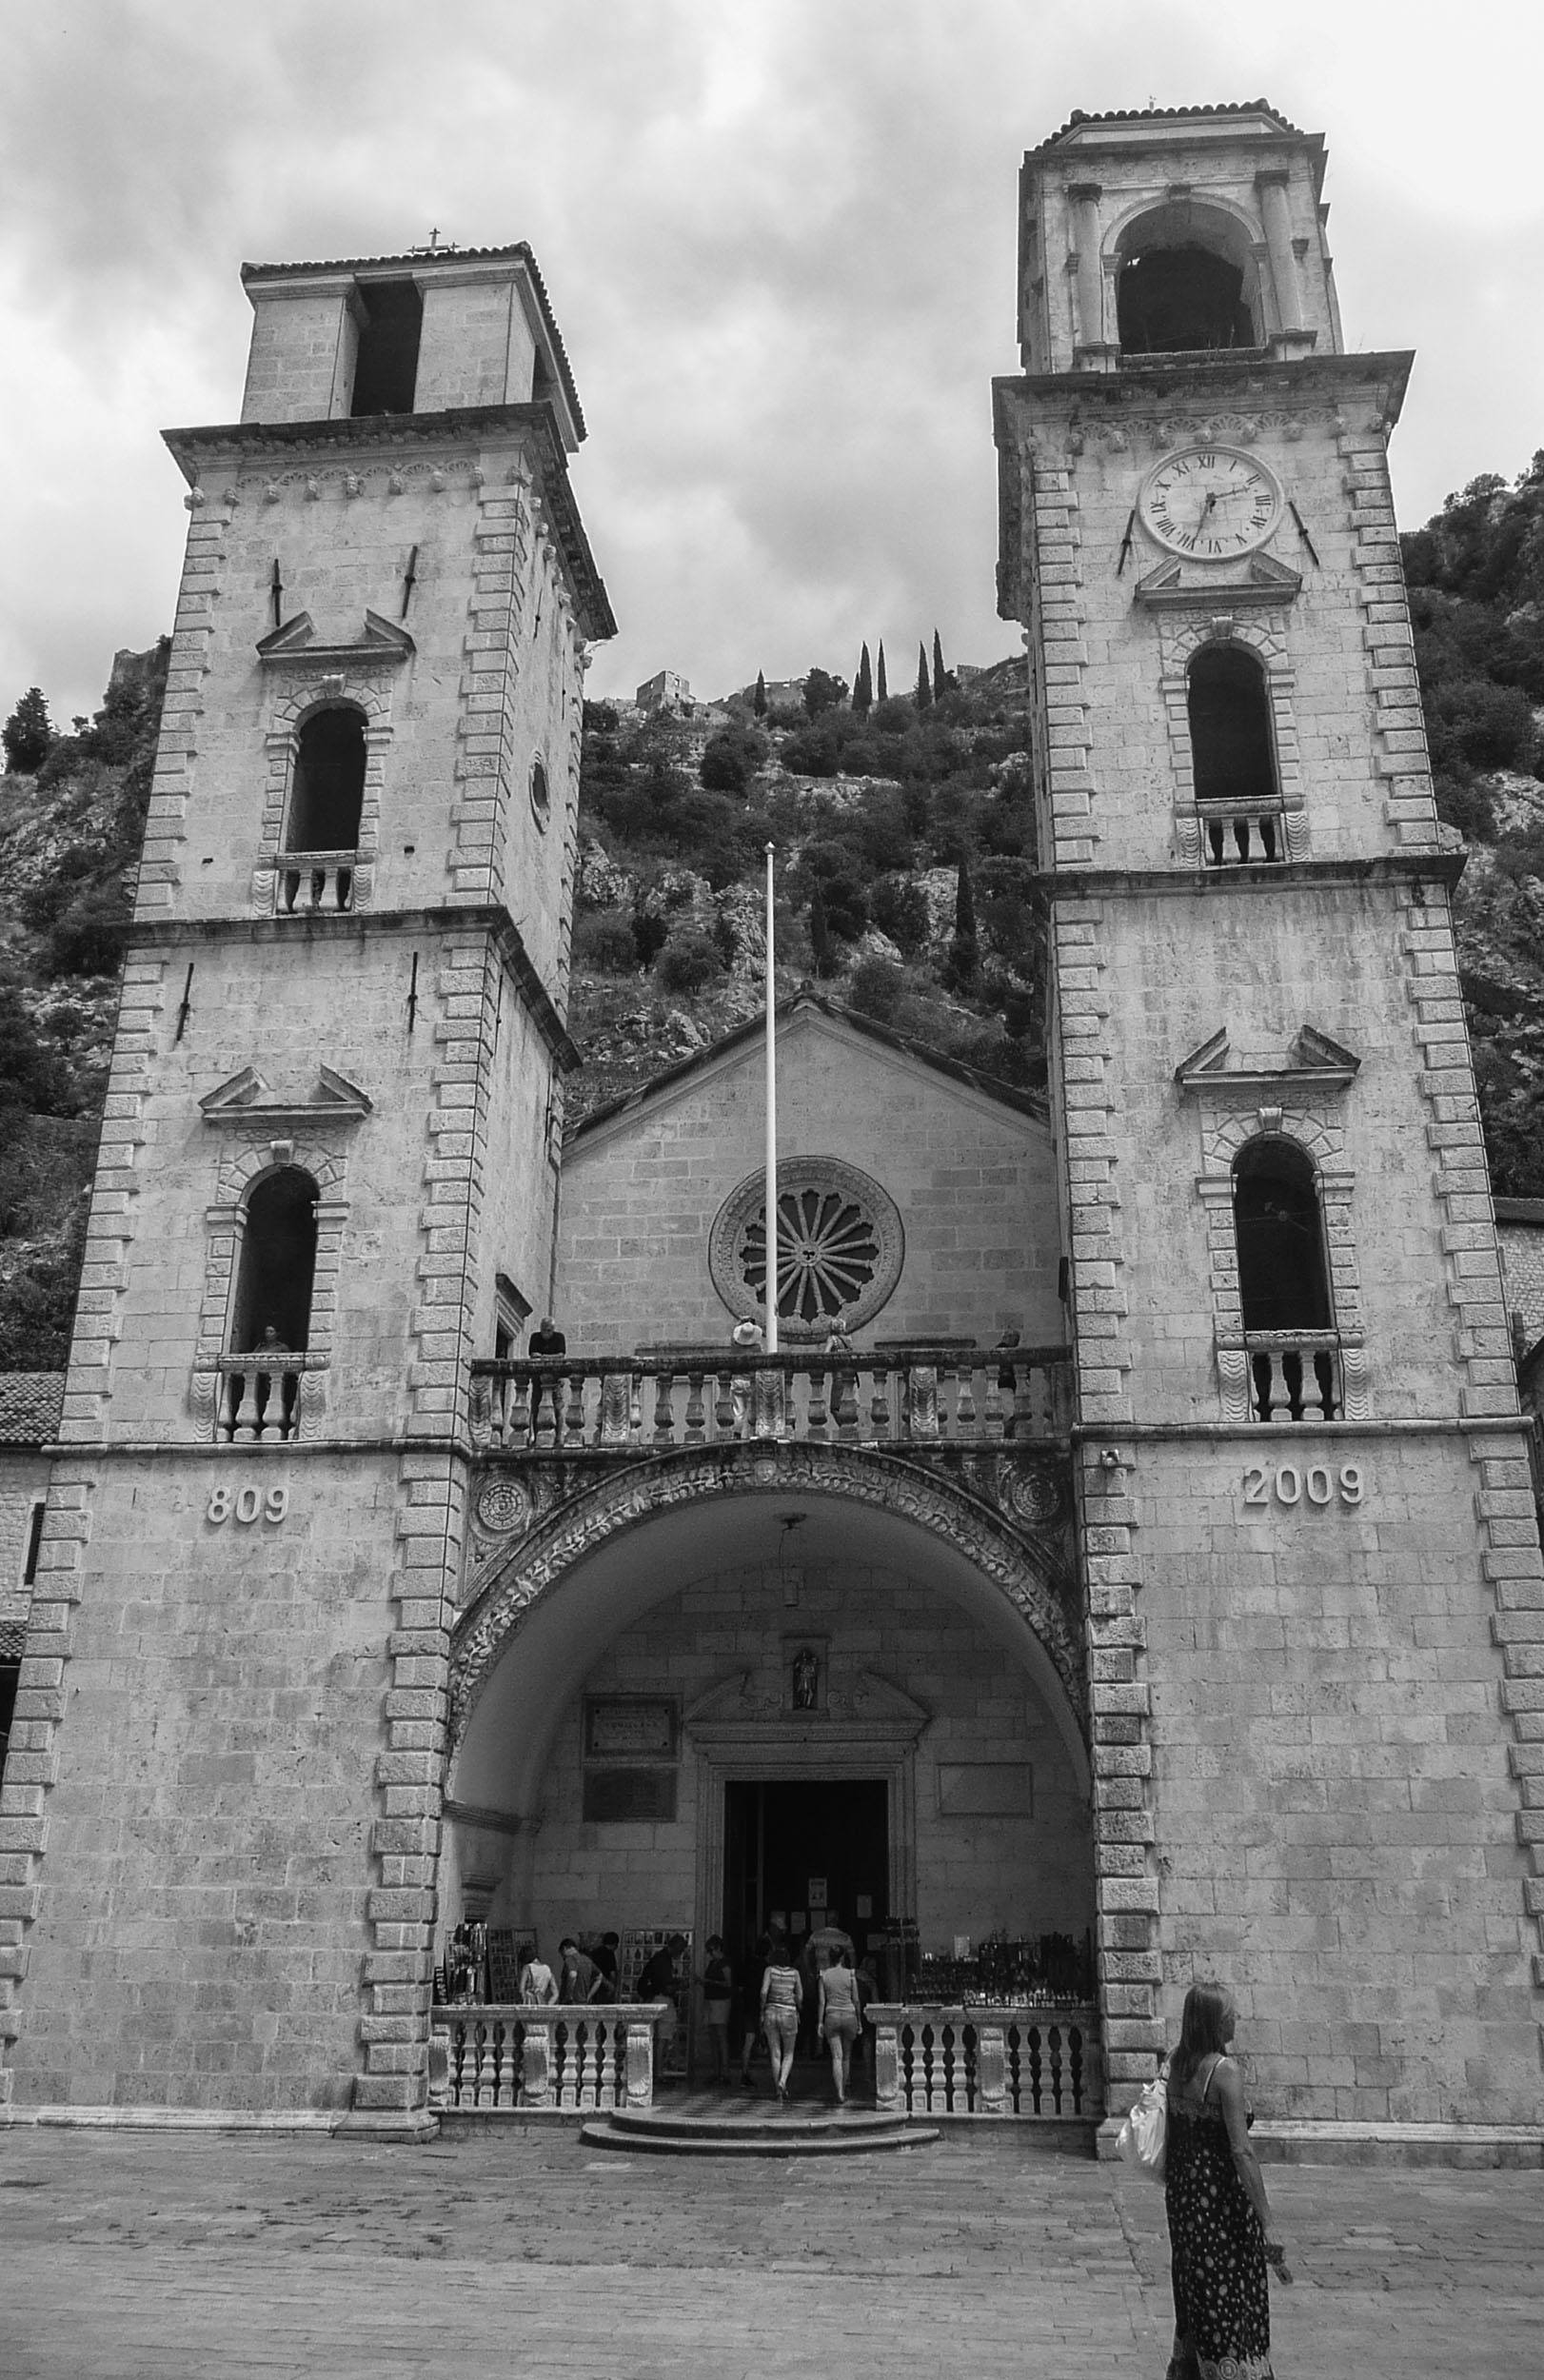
[327, 795]
[277, 1272]
[1231, 740]
[1186, 283]
[800, 1659]
[1283, 1278]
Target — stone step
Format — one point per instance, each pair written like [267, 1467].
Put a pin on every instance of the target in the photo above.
[755, 2132]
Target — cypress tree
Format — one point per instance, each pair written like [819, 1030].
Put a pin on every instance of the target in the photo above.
[862, 693]
[760, 704]
[882, 692]
[925, 684]
[823, 950]
[940, 676]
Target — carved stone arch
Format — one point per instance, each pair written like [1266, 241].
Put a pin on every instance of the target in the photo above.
[1240, 240]
[535, 1569]
[240, 1169]
[1181, 635]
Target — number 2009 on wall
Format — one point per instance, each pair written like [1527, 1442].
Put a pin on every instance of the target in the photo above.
[1315, 1483]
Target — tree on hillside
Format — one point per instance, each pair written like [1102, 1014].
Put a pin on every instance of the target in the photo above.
[881, 691]
[731, 758]
[28, 732]
[862, 693]
[940, 676]
[823, 692]
[822, 946]
[758, 706]
[925, 684]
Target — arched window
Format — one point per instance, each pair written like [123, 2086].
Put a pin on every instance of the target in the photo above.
[328, 790]
[1233, 754]
[1187, 281]
[1176, 301]
[1283, 1281]
[278, 1263]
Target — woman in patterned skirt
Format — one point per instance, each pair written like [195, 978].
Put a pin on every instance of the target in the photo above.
[1221, 2238]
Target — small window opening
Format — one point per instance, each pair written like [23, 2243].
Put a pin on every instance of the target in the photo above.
[328, 794]
[511, 1314]
[385, 368]
[35, 1545]
[1282, 1282]
[1232, 748]
[9, 1674]
[278, 1265]
[1175, 301]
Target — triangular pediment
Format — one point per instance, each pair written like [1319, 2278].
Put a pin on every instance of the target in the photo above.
[247, 1099]
[295, 640]
[1217, 589]
[1315, 1061]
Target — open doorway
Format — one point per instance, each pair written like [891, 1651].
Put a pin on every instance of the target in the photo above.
[784, 1837]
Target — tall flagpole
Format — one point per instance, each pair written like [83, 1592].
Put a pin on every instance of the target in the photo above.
[771, 1125]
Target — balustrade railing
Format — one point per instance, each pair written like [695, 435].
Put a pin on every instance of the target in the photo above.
[1031, 2063]
[905, 1395]
[510, 2058]
[314, 883]
[1239, 834]
[262, 1398]
[1295, 1375]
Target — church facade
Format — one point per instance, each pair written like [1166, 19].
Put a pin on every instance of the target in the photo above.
[1132, 1543]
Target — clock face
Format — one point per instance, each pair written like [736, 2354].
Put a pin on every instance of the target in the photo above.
[1211, 503]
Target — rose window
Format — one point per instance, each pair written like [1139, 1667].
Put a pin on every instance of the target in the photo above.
[838, 1246]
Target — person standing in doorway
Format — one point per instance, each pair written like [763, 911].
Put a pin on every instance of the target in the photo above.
[718, 1991]
[783, 1996]
[839, 2017]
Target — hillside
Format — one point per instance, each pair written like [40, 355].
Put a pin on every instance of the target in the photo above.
[907, 881]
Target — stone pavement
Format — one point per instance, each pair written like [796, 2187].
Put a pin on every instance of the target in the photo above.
[189, 2256]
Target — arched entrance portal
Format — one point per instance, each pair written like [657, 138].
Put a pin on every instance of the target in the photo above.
[712, 1699]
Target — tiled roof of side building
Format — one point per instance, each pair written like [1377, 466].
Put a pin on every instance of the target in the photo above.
[30, 1403]
[416, 259]
[1165, 116]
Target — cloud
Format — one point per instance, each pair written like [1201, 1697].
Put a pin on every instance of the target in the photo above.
[780, 239]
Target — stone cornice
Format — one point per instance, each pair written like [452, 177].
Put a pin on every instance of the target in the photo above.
[1249, 383]
[1388, 868]
[533, 427]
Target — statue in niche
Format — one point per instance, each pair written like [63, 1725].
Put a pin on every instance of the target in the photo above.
[806, 1679]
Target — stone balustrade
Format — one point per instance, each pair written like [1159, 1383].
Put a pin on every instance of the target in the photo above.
[1028, 2062]
[1240, 834]
[912, 1395]
[1295, 1375]
[312, 884]
[261, 1400]
[498, 2056]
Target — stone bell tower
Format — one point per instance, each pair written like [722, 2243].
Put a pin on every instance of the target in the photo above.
[1315, 1587]
[327, 1182]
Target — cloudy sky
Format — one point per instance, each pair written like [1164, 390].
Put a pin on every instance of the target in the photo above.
[779, 237]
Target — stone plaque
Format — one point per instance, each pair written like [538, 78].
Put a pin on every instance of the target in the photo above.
[630, 1797]
[631, 1727]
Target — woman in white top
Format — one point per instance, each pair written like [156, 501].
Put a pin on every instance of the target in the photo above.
[538, 1985]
